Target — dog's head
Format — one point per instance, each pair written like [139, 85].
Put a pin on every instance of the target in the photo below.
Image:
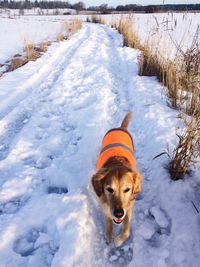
[117, 186]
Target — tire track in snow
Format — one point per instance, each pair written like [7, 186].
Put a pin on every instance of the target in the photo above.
[105, 93]
[67, 101]
[56, 62]
[58, 147]
[19, 115]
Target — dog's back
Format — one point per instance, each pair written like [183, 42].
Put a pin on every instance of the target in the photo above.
[117, 142]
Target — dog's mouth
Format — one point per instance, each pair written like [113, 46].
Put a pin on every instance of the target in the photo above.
[118, 220]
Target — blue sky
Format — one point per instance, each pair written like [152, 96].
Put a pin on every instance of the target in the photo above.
[141, 2]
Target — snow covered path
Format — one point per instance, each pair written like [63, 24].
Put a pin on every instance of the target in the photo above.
[54, 113]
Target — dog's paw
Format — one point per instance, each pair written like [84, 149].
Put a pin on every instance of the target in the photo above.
[109, 238]
[120, 240]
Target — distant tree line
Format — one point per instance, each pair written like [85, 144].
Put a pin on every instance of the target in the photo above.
[104, 8]
[145, 9]
[158, 8]
[27, 4]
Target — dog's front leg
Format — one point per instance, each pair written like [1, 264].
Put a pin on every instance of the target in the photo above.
[126, 230]
[109, 229]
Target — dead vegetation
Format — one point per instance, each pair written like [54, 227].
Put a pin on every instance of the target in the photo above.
[126, 28]
[187, 149]
[16, 62]
[68, 28]
[76, 25]
[32, 52]
[96, 19]
[181, 76]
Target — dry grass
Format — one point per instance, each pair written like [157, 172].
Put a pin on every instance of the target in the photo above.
[43, 46]
[17, 62]
[152, 63]
[60, 37]
[68, 28]
[188, 148]
[76, 25]
[126, 28]
[113, 24]
[189, 75]
[31, 52]
[182, 80]
[181, 76]
[96, 19]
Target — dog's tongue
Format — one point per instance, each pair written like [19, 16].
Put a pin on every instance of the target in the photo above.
[117, 221]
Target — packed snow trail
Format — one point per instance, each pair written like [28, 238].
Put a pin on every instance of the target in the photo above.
[54, 113]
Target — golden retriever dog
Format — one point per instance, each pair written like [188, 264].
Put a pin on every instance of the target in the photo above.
[117, 181]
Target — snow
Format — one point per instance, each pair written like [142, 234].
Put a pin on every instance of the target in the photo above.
[166, 29]
[160, 217]
[16, 33]
[170, 30]
[51, 130]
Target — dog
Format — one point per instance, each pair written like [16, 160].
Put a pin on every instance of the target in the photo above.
[117, 181]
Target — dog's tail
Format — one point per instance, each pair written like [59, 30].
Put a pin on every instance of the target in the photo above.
[126, 120]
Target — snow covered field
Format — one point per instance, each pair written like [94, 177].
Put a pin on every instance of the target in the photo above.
[54, 113]
[167, 29]
[170, 30]
[17, 32]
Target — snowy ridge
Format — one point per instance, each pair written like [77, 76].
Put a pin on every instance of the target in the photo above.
[50, 132]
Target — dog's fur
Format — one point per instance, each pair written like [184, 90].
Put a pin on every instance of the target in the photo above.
[124, 182]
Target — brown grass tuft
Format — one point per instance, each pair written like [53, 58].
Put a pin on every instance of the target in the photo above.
[76, 25]
[60, 37]
[17, 62]
[96, 19]
[43, 46]
[187, 149]
[126, 28]
[69, 28]
[31, 52]
[181, 76]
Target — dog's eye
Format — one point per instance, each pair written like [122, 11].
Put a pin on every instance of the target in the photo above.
[126, 190]
[110, 190]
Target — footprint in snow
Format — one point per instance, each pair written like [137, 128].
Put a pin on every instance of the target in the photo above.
[43, 162]
[122, 255]
[41, 135]
[13, 205]
[44, 124]
[38, 244]
[57, 190]
[4, 150]
[66, 127]
[29, 159]
[161, 218]
[156, 227]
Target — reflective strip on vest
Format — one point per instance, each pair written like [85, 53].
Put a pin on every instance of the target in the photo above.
[117, 142]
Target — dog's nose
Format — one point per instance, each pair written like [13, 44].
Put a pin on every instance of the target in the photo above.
[118, 213]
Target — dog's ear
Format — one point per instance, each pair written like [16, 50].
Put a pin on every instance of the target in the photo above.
[97, 181]
[137, 183]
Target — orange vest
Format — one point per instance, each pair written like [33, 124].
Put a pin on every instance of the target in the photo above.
[116, 142]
